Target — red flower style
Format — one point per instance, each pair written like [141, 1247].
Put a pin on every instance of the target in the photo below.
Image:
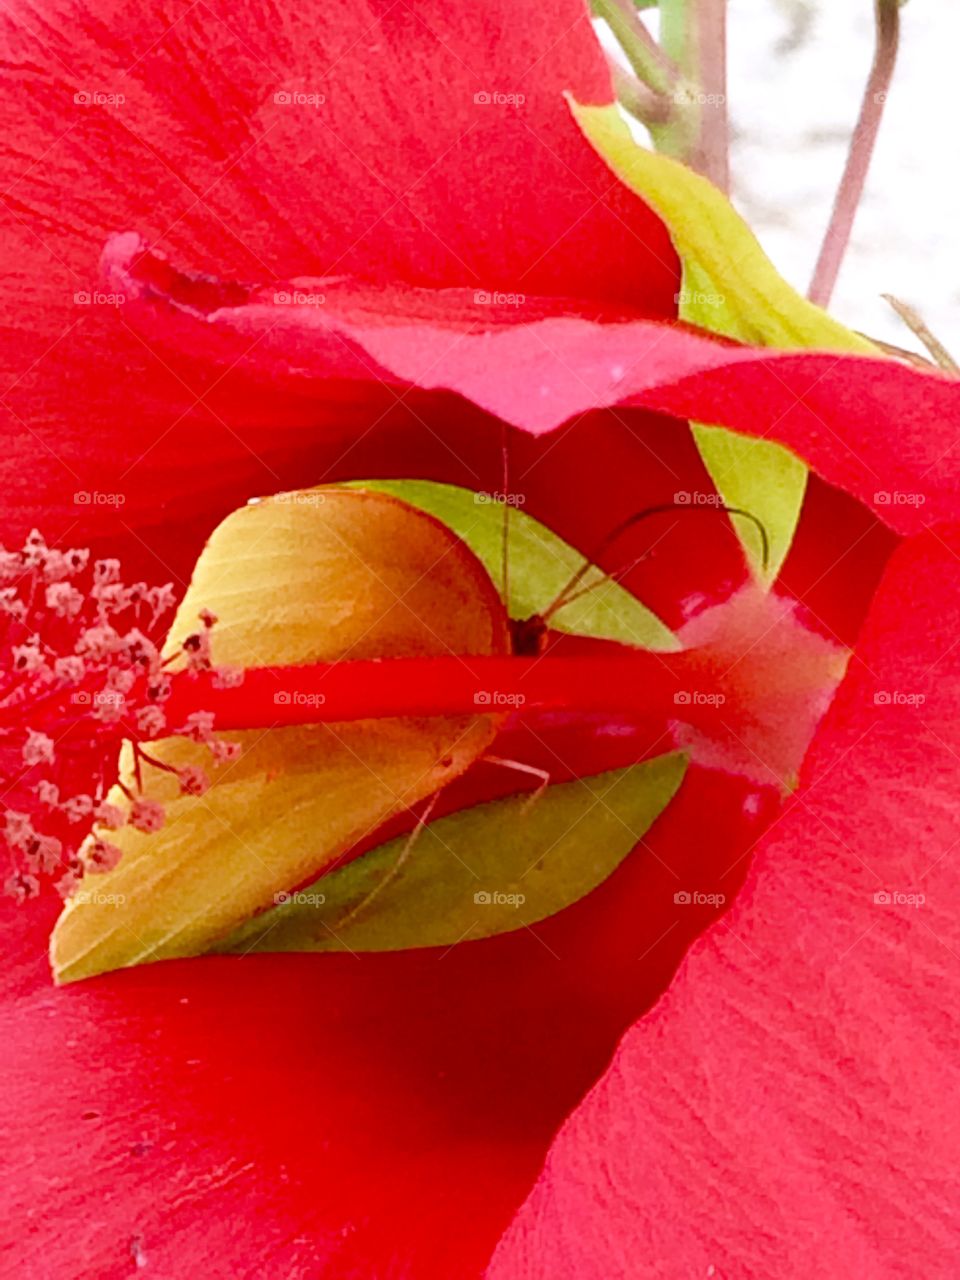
[340, 243]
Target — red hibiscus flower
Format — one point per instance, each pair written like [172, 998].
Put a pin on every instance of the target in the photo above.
[416, 167]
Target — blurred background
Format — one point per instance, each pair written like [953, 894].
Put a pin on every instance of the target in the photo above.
[796, 76]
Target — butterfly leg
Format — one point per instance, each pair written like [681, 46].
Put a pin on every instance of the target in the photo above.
[519, 767]
[401, 861]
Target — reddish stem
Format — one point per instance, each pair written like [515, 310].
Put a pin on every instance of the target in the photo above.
[714, 120]
[638, 682]
[849, 193]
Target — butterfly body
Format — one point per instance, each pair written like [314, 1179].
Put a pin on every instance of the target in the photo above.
[529, 636]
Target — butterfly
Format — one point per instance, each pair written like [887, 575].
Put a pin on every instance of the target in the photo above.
[329, 575]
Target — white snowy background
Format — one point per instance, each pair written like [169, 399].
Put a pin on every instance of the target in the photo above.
[797, 69]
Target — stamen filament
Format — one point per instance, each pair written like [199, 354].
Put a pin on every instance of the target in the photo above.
[637, 682]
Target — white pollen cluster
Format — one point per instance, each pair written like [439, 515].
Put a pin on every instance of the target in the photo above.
[80, 672]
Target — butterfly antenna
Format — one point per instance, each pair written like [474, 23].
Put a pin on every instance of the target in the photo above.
[574, 588]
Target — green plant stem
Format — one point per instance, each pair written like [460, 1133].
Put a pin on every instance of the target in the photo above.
[643, 103]
[651, 65]
[693, 35]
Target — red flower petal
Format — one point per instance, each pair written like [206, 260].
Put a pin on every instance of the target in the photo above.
[364, 1114]
[790, 1107]
[380, 181]
[836, 559]
[880, 429]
